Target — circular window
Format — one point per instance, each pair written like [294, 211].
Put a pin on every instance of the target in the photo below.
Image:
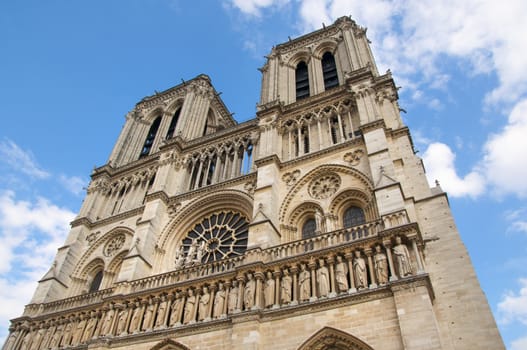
[324, 186]
[219, 236]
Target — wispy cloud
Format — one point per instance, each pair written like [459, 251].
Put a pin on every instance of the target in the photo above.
[513, 305]
[21, 160]
[30, 232]
[73, 184]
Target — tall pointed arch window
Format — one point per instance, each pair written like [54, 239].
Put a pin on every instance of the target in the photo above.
[353, 216]
[329, 70]
[302, 81]
[147, 147]
[96, 282]
[173, 124]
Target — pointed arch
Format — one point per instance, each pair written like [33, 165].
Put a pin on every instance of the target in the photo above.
[169, 344]
[329, 338]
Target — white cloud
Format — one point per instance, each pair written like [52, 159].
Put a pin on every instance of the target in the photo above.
[20, 159]
[74, 184]
[505, 159]
[517, 220]
[30, 233]
[519, 344]
[439, 162]
[513, 305]
[254, 7]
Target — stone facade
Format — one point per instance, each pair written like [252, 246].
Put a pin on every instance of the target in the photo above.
[311, 226]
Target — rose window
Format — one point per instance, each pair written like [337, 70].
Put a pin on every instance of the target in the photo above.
[324, 186]
[219, 236]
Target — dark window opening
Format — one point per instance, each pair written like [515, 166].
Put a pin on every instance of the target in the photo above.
[309, 228]
[173, 124]
[150, 138]
[353, 216]
[329, 70]
[96, 282]
[302, 81]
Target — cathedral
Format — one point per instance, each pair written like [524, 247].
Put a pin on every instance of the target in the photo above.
[310, 226]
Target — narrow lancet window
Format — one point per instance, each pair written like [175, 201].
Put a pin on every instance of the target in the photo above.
[309, 228]
[329, 70]
[302, 81]
[96, 282]
[173, 124]
[353, 216]
[147, 147]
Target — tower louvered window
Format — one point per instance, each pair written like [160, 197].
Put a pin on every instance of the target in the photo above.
[173, 124]
[329, 70]
[302, 81]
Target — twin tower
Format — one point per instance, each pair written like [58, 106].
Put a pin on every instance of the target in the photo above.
[311, 226]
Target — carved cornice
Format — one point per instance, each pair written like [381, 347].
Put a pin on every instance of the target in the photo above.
[119, 217]
[376, 124]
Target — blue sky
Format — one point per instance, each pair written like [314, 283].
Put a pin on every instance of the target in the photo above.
[71, 70]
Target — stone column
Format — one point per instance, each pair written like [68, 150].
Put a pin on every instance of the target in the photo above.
[331, 262]
[276, 275]
[373, 278]
[294, 292]
[388, 245]
[241, 292]
[349, 259]
[312, 267]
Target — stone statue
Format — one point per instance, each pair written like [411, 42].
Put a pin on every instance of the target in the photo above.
[341, 272]
[148, 317]
[136, 319]
[55, 339]
[121, 321]
[269, 290]
[26, 342]
[36, 339]
[402, 258]
[286, 288]
[79, 330]
[161, 312]
[200, 252]
[106, 328]
[359, 269]
[191, 254]
[66, 335]
[323, 279]
[203, 306]
[90, 327]
[248, 294]
[189, 307]
[319, 220]
[219, 301]
[180, 257]
[11, 341]
[380, 262]
[176, 308]
[233, 297]
[304, 282]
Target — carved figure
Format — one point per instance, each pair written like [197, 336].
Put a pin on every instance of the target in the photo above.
[248, 295]
[90, 327]
[189, 307]
[323, 279]
[180, 257]
[381, 266]
[341, 272]
[11, 341]
[107, 323]
[36, 340]
[121, 321]
[200, 252]
[66, 335]
[161, 312]
[79, 330]
[304, 281]
[233, 297]
[136, 319]
[55, 340]
[26, 342]
[219, 301]
[285, 288]
[359, 269]
[269, 290]
[402, 258]
[191, 254]
[203, 306]
[176, 309]
[148, 316]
